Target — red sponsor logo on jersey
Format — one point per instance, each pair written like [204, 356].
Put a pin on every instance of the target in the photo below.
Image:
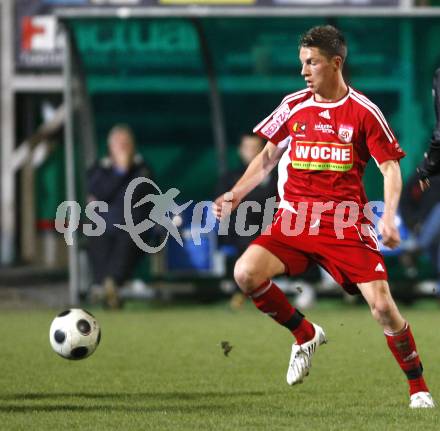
[322, 156]
[299, 127]
[278, 119]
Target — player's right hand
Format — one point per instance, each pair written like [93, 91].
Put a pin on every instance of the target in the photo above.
[224, 205]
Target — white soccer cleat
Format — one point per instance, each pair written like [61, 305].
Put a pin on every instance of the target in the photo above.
[421, 400]
[301, 357]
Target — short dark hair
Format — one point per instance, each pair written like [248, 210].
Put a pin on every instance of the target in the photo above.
[330, 41]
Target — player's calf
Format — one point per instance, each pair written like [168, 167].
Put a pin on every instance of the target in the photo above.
[399, 338]
[384, 312]
[382, 305]
[270, 299]
[404, 350]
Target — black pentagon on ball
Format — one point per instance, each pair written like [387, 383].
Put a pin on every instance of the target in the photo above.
[79, 352]
[83, 326]
[59, 336]
[98, 340]
[64, 313]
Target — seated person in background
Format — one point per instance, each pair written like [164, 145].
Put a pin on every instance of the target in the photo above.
[114, 255]
[250, 145]
[421, 213]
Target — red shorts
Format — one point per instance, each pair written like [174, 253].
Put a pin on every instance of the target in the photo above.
[355, 258]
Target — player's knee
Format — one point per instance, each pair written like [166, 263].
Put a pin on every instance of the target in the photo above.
[246, 276]
[382, 310]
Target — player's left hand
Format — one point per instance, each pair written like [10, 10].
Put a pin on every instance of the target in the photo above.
[390, 233]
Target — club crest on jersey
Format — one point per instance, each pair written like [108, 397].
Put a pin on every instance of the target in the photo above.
[278, 119]
[345, 133]
[322, 156]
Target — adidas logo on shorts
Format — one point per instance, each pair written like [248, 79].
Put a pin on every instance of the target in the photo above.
[379, 268]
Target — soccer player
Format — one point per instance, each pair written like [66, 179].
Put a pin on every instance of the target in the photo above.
[431, 163]
[322, 137]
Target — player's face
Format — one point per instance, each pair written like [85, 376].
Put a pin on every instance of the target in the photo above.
[317, 70]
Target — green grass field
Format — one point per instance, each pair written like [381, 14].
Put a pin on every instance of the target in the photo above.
[163, 369]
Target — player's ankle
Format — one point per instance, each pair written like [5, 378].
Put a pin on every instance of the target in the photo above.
[304, 332]
[417, 385]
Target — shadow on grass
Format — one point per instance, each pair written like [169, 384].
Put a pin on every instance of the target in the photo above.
[136, 396]
[109, 408]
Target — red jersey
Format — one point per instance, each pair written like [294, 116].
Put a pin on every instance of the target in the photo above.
[328, 146]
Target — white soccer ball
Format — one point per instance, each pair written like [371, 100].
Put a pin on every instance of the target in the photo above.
[74, 334]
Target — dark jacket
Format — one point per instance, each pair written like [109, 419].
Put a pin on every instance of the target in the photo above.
[431, 163]
[416, 205]
[106, 183]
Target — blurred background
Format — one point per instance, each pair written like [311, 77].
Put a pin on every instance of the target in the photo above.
[189, 78]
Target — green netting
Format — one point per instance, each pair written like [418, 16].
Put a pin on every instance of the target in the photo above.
[50, 185]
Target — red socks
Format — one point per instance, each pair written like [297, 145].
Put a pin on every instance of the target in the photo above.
[269, 299]
[403, 347]
[304, 331]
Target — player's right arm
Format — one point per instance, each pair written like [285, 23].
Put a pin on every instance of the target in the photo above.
[257, 170]
[274, 129]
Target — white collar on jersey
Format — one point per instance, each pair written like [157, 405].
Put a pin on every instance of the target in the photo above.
[313, 102]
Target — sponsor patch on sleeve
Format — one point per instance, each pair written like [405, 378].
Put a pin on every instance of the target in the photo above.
[278, 119]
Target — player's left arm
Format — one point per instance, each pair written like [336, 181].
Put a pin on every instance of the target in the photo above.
[386, 151]
[392, 190]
